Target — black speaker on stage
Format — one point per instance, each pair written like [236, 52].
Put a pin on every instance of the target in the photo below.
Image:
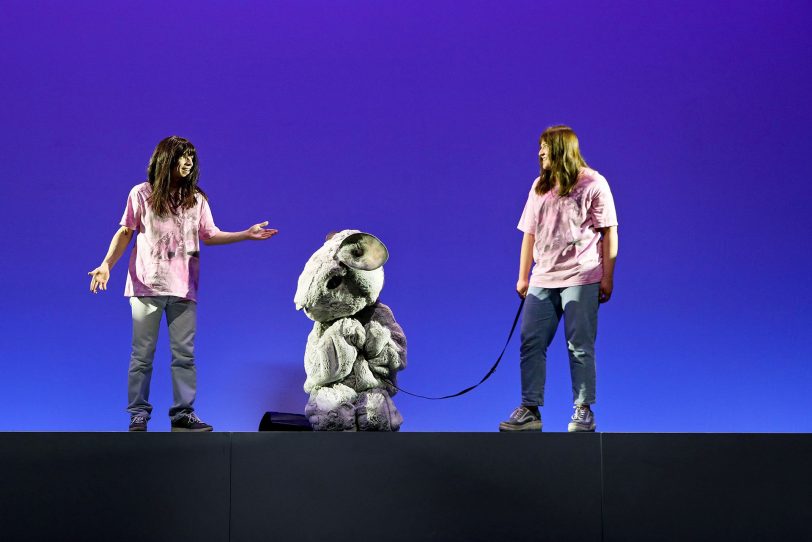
[283, 421]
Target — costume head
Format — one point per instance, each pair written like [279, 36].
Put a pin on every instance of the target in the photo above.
[342, 277]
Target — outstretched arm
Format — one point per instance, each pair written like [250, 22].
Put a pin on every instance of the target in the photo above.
[100, 275]
[257, 232]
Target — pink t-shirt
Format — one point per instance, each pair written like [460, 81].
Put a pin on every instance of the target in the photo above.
[567, 251]
[166, 256]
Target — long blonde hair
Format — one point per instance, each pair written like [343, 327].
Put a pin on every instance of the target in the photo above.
[565, 160]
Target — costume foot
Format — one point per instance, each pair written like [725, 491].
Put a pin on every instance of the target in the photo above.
[340, 419]
[375, 411]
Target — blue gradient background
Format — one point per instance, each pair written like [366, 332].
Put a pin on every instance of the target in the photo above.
[417, 122]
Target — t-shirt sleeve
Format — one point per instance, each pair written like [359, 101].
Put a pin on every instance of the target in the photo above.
[206, 229]
[529, 220]
[602, 211]
[132, 213]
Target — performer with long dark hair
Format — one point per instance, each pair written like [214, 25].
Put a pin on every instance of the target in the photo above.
[171, 215]
[570, 231]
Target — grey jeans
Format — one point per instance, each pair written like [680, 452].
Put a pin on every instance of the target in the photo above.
[543, 309]
[181, 318]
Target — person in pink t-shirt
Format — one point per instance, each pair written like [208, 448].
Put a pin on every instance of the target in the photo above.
[570, 232]
[170, 214]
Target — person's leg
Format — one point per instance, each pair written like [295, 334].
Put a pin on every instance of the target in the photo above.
[181, 318]
[581, 327]
[147, 313]
[542, 312]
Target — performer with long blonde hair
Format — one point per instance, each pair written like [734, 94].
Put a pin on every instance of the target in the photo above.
[570, 232]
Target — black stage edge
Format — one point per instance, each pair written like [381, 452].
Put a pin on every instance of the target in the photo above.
[404, 487]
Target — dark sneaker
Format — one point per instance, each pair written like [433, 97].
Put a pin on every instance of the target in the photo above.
[582, 420]
[522, 419]
[189, 423]
[138, 423]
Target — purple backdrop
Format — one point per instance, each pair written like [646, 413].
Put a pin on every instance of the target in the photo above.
[417, 122]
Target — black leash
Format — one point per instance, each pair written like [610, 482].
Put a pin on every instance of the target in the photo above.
[484, 378]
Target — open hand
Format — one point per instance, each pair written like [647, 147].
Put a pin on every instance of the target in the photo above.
[257, 232]
[99, 278]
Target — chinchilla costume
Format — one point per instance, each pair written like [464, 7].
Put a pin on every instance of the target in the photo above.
[356, 347]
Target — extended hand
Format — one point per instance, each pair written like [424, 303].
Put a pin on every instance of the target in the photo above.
[258, 233]
[99, 278]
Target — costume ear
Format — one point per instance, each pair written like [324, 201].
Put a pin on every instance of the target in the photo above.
[362, 251]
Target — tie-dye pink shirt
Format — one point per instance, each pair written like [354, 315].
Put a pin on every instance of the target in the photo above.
[166, 256]
[567, 251]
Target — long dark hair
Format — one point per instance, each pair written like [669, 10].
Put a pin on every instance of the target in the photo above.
[165, 198]
[565, 160]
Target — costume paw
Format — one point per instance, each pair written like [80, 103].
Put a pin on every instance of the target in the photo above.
[376, 340]
[352, 331]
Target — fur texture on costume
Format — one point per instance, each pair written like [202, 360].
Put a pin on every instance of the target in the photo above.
[355, 347]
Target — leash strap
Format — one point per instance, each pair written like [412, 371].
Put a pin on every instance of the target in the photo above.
[484, 378]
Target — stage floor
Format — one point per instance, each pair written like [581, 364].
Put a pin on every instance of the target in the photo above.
[405, 486]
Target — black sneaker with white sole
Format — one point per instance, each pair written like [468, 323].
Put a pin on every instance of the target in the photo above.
[189, 423]
[522, 419]
[138, 423]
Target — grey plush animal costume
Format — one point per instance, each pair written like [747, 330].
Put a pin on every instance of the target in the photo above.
[356, 346]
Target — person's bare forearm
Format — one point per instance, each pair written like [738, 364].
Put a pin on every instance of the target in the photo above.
[117, 246]
[257, 232]
[100, 275]
[525, 260]
[526, 257]
[609, 245]
[226, 238]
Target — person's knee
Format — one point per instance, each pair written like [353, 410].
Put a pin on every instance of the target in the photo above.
[184, 360]
[140, 364]
[581, 351]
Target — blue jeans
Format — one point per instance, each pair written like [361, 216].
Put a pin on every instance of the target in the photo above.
[181, 318]
[543, 309]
